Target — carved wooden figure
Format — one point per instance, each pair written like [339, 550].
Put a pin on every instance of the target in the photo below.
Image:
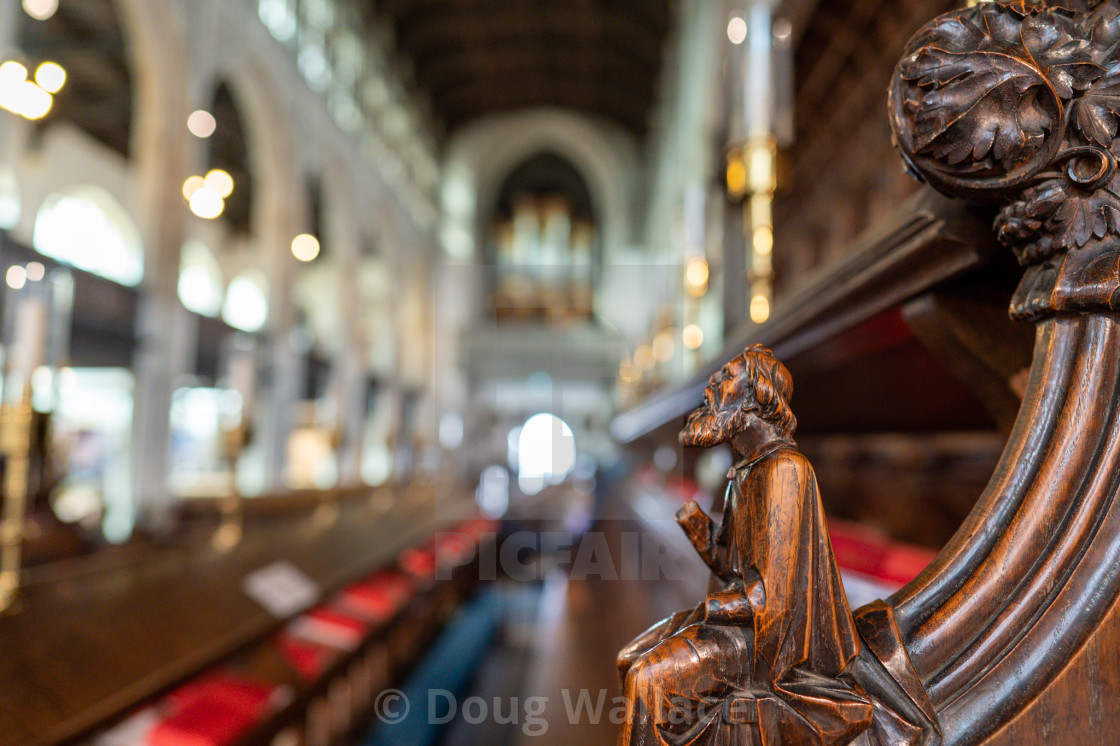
[760, 659]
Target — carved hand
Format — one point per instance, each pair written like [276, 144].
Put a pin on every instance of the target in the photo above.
[735, 605]
[701, 532]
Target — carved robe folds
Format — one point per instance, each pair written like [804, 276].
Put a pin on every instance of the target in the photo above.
[760, 659]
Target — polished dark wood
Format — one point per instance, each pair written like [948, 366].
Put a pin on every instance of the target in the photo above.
[966, 325]
[1009, 103]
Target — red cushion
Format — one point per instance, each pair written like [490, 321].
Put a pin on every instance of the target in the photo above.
[213, 711]
[307, 658]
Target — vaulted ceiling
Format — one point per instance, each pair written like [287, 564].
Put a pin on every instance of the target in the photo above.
[479, 57]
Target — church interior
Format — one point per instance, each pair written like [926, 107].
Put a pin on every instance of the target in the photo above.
[345, 346]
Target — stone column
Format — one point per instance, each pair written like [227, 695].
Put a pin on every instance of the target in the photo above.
[160, 148]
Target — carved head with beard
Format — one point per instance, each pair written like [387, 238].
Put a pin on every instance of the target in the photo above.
[753, 386]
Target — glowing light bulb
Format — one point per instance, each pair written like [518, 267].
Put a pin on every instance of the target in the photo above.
[760, 309]
[736, 174]
[696, 275]
[32, 101]
[12, 72]
[763, 239]
[664, 346]
[50, 76]
[40, 10]
[692, 336]
[192, 185]
[206, 203]
[737, 30]
[305, 247]
[643, 357]
[220, 181]
[16, 277]
[35, 271]
[201, 124]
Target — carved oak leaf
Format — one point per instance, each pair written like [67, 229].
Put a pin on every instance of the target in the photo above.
[979, 94]
[1073, 215]
[1102, 29]
[1086, 215]
[979, 77]
[1066, 61]
[1096, 112]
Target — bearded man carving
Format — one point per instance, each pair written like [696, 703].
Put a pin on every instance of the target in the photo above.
[762, 658]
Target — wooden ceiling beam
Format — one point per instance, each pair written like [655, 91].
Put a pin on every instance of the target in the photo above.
[476, 57]
[651, 15]
[472, 102]
[619, 95]
[467, 66]
[564, 26]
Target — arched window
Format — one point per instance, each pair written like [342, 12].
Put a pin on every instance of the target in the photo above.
[246, 304]
[545, 452]
[87, 229]
[200, 280]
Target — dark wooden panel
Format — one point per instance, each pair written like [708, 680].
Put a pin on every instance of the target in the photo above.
[928, 241]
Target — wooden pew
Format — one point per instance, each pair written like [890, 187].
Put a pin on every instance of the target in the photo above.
[90, 644]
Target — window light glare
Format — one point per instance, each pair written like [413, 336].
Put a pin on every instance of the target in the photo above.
[546, 452]
[246, 307]
[87, 229]
[201, 288]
